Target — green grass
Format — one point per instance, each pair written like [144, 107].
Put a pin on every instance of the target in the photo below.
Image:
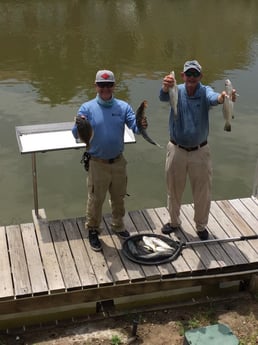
[115, 340]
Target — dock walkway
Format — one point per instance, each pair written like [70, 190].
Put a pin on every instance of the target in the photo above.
[47, 267]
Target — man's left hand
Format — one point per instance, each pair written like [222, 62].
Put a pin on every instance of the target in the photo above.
[223, 94]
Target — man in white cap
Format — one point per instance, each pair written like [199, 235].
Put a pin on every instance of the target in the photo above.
[188, 151]
[107, 167]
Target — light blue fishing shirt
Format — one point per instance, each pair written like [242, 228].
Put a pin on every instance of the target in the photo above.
[190, 127]
[108, 119]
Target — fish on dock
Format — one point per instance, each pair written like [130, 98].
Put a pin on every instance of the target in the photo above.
[155, 244]
[85, 131]
[141, 251]
[228, 106]
[140, 115]
[173, 95]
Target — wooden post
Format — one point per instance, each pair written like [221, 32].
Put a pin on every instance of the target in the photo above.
[254, 283]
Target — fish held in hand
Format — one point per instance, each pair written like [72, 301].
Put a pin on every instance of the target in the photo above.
[140, 115]
[228, 106]
[173, 95]
[85, 131]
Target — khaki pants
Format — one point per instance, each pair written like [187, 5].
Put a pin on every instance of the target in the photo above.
[103, 178]
[197, 165]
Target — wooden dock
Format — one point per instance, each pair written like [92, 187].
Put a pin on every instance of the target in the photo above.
[48, 271]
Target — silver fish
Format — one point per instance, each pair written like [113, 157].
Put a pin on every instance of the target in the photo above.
[157, 255]
[140, 115]
[155, 244]
[228, 106]
[173, 95]
[139, 251]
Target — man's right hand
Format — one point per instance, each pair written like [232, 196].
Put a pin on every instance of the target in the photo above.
[168, 82]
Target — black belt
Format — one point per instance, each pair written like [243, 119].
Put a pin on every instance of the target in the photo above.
[107, 161]
[189, 148]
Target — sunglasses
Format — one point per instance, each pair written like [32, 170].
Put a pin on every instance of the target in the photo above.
[105, 84]
[194, 74]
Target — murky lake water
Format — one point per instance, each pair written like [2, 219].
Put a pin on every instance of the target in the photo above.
[50, 52]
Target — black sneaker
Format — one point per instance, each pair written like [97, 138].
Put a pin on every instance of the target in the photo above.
[94, 241]
[203, 234]
[167, 228]
[123, 234]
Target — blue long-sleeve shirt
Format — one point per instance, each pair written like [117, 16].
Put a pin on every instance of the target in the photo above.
[191, 125]
[108, 121]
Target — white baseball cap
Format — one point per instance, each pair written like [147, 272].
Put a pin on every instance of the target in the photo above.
[105, 76]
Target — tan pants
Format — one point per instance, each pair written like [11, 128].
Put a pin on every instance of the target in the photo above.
[103, 178]
[197, 165]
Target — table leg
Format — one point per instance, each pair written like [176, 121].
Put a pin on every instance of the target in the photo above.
[35, 187]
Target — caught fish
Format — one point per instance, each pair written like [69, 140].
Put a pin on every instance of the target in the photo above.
[140, 115]
[139, 251]
[85, 131]
[159, 243]
[228, 105]
[173, 95]
[155, 244]
[156, 255]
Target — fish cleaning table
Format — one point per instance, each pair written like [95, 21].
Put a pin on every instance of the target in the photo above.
[51, 137]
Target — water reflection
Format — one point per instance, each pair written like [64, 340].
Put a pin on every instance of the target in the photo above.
[58, 45]
[51, 51]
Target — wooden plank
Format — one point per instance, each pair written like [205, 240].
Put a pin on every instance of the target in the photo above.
[50, 262]
[180, 264]
[64, 256]
[40, 307]
[244, 249]
[224, 250]
[97, 259]
[80, 254]
[167, 270]
[230, 249]
[252, 207]
[205, 255]
[134, 270]
[249, 218]
[190, 253]
[6, 286]
[112, 257]
[141, 226]
[19, 268]
[235, 217]
[221, 256]
[36, 271]
[247, 226]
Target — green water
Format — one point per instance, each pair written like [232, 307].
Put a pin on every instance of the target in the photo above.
[50, 52]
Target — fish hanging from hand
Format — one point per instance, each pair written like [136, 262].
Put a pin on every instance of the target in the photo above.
[140, 115]
[173, 95]
[85, 131]
[228, 105]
